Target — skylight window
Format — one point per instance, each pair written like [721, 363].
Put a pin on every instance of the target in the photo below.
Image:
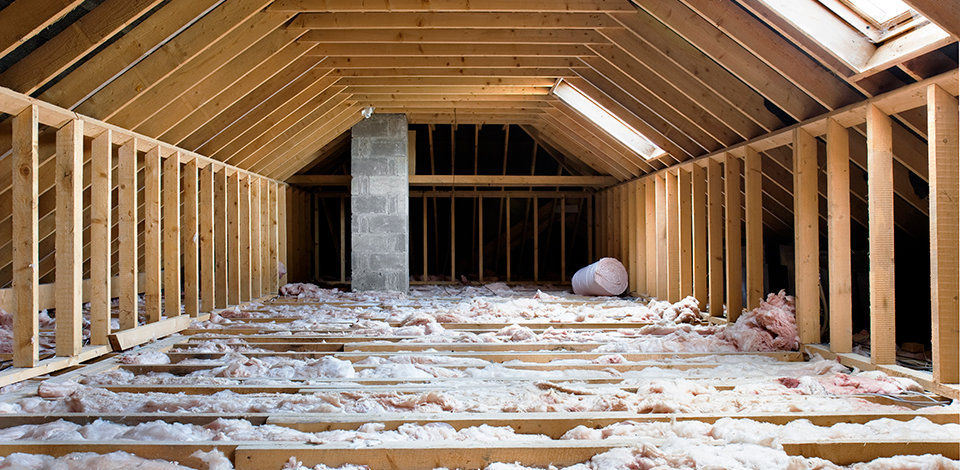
[881, 12]
[606, 120]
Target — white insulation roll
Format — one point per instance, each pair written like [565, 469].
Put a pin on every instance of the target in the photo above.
[605, 277]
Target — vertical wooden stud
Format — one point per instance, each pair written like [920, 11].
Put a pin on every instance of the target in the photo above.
[686, 242]
[563, 239]
[479, 237]
[650, 204]
[233, 239]
[673, 238]
[453, 224]
[282, 266]
[590, 227]
[698, 208]
[639, 208]
[274, 237]
[838, 237]
[220, 238]
[663, 234]
[246, 229]
[26, 329]
[536, 239]
[942, 129]
[207, 250]
[256, 241]
[69, 238]
[426, 245]
[171, 235]
[190, 239]
[734, 235]
[343, 240]
[633, 269]
[101, 208]
[127, 220]
[806, 235]
[265, 240]
[715, 237]
[752, 188]
[509, 239]
[152, 277]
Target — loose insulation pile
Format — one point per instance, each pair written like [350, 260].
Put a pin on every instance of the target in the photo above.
[423, 355]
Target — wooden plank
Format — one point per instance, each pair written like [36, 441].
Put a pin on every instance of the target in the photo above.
[633, 267]
[171, 236]
[490, 35]
[640, 227]
[673, 237]
[509, 238]
[845, 452]
[715, 237]
[753, 223]
[26, 19]
[806, 236]
[234, 262]
[650, 200]
[101, 186]
[420, 456]
[127, 339]
[206, 236]
[246, 265]
[479, 238]
[838, 238]
[220, 237]
[536, 239]
[942, 129]
[343, 240]
[663, 244]
[883, 346]
[282, 235]
[684, 192]
[69, 240]
[189, 240]
[266, 276]
[698, 209]
[941, 13]
[496, 180]
[256, 240]
[537, 6]
[450, 20]
[733, 236]
[127, 220]
[151, 235]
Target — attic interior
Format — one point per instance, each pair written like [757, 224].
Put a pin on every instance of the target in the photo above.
[583, 234]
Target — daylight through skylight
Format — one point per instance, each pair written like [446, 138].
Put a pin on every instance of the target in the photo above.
[606, 120]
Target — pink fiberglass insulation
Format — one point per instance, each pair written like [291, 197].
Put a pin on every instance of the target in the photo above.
[604, 277]
[655, 396]
[772, 326]
[214, 460]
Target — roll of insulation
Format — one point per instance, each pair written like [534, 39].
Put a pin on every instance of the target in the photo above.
[605, 277]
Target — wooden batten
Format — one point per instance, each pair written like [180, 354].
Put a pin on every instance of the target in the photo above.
[171, 236]
[127, 220]
[753, 223]
[883, 346]
[190, 239]
[733, 235]
[715, 238]
[838, 238]
[806, 236]
[151, 235]
[69, 243]
[101, 169]
[942, 128]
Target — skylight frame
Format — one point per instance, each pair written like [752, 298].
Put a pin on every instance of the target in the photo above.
[857, 14]
[606, 120]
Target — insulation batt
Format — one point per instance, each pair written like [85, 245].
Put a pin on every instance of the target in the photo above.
[605, 277]
[654, 396]
[214, 460]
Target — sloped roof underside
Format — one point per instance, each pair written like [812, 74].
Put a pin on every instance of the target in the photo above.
[268, 85]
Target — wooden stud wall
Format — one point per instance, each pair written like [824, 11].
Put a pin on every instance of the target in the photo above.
[149, 257]
[712, 207]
